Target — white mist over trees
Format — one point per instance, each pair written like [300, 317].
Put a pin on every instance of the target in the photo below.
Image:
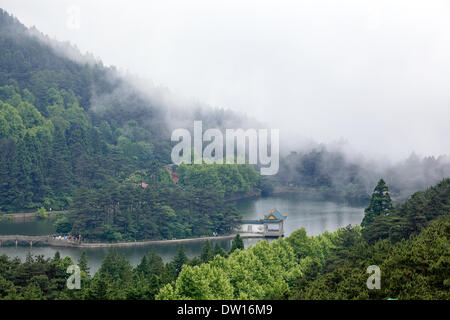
[370, 72]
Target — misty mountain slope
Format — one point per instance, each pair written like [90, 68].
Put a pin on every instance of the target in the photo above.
[84, 124]
[30, 60]
[68, 123]
[30, 63]
[54, 143]
[326, 172]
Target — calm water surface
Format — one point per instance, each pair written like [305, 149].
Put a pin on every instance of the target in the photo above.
[314, 216]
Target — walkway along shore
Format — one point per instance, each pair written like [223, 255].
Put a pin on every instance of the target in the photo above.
[50, 241]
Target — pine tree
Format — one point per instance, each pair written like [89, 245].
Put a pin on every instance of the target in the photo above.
[83, 262]
[218, 250]
[155, 263]
[154, 286]
[57, 256]
[179, 260]
[143, 267]
[207, 252]
[42, 213]
[237, 243]
[380, 203]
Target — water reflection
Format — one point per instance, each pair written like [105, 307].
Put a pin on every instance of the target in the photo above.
[30, 228]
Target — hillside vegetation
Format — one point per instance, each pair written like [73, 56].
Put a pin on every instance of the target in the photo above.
[76, 135]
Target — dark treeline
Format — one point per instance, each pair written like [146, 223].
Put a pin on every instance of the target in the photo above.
[130, 212]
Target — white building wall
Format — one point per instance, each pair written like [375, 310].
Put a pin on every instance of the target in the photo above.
[251, 228]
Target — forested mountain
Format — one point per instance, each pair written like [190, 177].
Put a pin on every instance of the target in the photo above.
[53, 142]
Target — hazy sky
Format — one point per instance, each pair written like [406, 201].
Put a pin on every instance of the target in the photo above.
[373, 73]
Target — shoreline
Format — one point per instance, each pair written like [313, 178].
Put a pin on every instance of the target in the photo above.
[313, 194]
[251, 195]
[25, 216]
[48, 240]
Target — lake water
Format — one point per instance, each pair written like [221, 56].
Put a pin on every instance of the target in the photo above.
[315, 216]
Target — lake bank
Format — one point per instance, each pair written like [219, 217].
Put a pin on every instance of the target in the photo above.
[250, 195]
[25, 216]
[54, 242]
[317, 194]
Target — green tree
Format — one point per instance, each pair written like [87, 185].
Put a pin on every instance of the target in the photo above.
[218, 250]
[179, 260]
[62, 225]
[380, 203]
[237, 243]
[83, 262]
[207, 252]
[155, 263]
[42, 213]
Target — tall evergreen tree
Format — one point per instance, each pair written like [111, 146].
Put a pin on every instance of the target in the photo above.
[179, 260]
[380, 203]
[218, 250]
[207, 252]
[143, 267]
[83, 262]
[237, 243]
